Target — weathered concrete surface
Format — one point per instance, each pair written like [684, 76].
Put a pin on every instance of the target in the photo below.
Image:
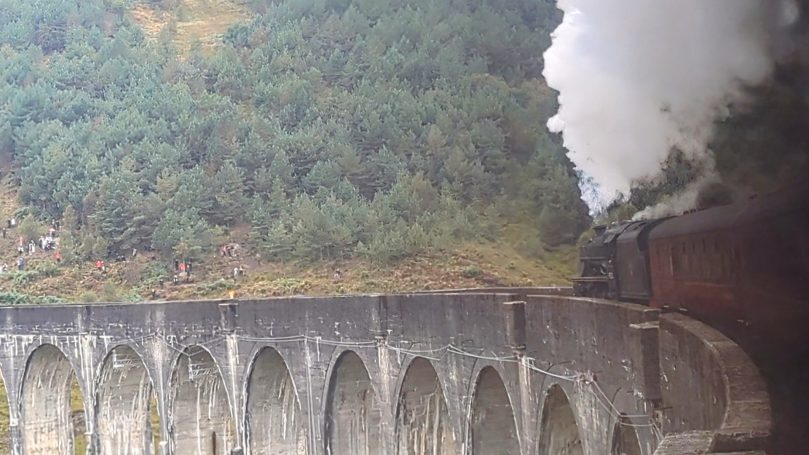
[422, 418]
[46, 402]
[700, 365]
[449, 374]
[559, 429]
[123, 404]
[275, 421]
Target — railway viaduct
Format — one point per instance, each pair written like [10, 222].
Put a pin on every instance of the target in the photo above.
[500, 372]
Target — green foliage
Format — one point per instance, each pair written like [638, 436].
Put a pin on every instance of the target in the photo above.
[471, 272]
[15, 298]
[335, 128]
[20, 279]
[30, 229]
[88, 297]
[217, 286]
[184, 235]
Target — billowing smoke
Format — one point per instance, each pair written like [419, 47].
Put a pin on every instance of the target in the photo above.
[639, 78]
[685, 200]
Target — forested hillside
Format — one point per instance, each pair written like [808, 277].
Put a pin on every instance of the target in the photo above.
[326, 128]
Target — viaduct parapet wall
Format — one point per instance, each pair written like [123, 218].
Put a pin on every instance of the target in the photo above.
[451, 374]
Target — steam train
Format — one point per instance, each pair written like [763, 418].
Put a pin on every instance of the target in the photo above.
[743, 267]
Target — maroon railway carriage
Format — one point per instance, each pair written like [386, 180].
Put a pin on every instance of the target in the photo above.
[741, 266]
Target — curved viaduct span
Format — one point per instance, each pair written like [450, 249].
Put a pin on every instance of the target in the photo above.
[441, 374]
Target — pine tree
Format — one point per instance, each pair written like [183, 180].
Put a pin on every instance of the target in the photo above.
[229, 194]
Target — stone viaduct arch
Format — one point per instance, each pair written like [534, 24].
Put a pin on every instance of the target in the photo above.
[446, 374]
[200, 421]
[493, 428]
[625, 440]
[559, 433]
[48, 427]
[422, 423]
[124, 394]
[353, 413]
[275, 421]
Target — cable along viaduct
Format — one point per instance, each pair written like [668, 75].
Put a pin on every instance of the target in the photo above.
[441, 374]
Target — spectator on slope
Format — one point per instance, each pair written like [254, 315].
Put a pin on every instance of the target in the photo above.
[58, 257]
[4, 232]
[21, 263]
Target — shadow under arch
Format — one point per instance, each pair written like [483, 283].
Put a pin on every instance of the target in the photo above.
[492, 427]
[275, 422]
[48, 423]
[423, 426]
[559, 432]
[199, 419]
[625, 441]
[353, 415]
[124, 397]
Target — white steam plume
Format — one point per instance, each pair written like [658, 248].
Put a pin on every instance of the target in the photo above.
[638, 77]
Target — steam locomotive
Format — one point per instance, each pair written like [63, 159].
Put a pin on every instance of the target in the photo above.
[742, 267]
